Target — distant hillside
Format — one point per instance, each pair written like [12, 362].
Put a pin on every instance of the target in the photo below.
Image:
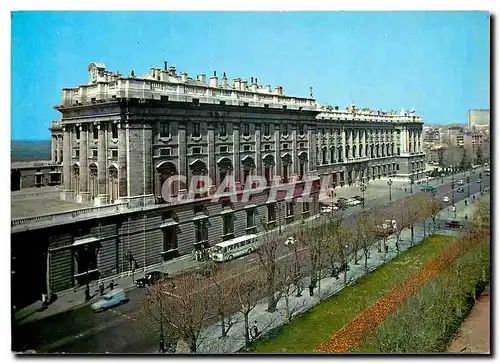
[23, 150]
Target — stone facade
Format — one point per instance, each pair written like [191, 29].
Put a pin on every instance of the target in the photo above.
[122, 137]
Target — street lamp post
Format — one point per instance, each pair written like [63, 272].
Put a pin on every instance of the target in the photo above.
[162, 338]
[411, 184]
[279, 218]
[468, 186]
[480, 181]
[442, 178]
[453, 190]
[389, 183]
[362, 187]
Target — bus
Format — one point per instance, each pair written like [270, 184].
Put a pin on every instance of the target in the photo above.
[428, 189]
[234, 248]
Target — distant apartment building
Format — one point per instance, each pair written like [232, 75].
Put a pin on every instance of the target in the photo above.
[478, 118]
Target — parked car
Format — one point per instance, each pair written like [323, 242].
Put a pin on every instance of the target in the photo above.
[479, 181]
[359, 198]
[387, 228]
[342, 203]
[446, 199]
[353, 202]
[460, 182]
[328, 209]
[453, 224]
[111, 299]
[150, 278]
[460, 189]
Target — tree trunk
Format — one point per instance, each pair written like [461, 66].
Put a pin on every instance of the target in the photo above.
[345, 274]
[412, 235]
[271, 302]
[424, 228]
[366, 260]
[192, 343]
[222, 324]
[287, 306]
[247, 328]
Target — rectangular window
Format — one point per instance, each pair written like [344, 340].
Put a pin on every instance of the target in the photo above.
[223, 149]
[289, 209]
[284, 129]
[285, 146]
[114, 130]
[114, 153]
[196, 101]
[246, 129]
[227, 224]
[301, 129]
[77, 132]
[170, 238]
[94, 153]
[77, 153]
[95, 132]
[302, 145]
[223, 129]
[267, 146]
[397, 167]
[245, 104]
[267, 129]
[164, 129]
[196, 130]
[305, 207]
[246, 148]
[196, 150]
[250, 218]
[271, 212]
[222, 103]
[201, 228]
[165, 151]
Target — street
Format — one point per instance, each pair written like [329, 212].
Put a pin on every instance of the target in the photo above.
[118, 331]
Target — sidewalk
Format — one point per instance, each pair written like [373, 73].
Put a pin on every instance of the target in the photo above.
[75, 298]
[210, 341]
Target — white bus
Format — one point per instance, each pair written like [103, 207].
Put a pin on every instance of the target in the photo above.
[234, 248]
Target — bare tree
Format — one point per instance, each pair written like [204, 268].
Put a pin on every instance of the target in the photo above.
[339, 243]
[248, 290]
[432, 206]
[268, 254]
[184, 304]
[413, 214]
[366, 235]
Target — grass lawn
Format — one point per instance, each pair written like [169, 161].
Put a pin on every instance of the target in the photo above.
[304, 333]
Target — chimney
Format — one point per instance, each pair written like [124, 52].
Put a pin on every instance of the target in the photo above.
[164, 75]
[151, 71]
[171, 70]
[184, 76]
[243, 85]
[165, 66]
[254, 85]
[236, 83]
[202, 78]
[132, 74]
[269, 88]
[251, 80]
[224, 80]
[214, 80]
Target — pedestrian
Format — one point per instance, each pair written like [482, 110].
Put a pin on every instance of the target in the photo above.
[473, 198]
[465, 217]
[465, 202]
[101, 288]
[255, 329]
[386, 247]
[311, 289]
[405, 189]
[87, 295]
[111, 285]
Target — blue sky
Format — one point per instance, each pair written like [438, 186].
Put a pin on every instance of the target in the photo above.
[437, 62]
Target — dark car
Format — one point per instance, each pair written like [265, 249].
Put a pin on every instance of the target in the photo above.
[342, 204]
[460, 189]
[453, 224]
[150, 278]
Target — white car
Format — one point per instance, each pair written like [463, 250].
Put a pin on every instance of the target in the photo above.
[460, 182]
[327, 209]
[446, 199]
[353, 202]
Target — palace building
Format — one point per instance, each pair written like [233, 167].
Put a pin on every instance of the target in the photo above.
[120, 138]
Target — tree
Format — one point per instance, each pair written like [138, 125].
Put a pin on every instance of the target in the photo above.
[184, 304]
[433, 206]
[365, 233]
[267, 254]
[413, 214]
[248, 290]
[339, 243]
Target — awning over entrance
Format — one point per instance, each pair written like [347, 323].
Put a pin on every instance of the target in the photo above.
[85, 241]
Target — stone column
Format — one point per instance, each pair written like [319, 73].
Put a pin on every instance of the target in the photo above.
[67, 193]
[148, 162]
[258, 149]
[403, 141]
[421, 141]
[84, 195]
[277, 147]
[182, 143]
[344, 143]
[102, 179]
[311, 139]
[53, 148]
[212, 166]
[319, 140]
[122, 161]
[236, 153]
[295, 166]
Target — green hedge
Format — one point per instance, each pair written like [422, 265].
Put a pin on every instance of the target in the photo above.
[427, 321]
